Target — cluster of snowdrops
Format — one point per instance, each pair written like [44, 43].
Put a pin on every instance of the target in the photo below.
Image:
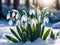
[29, 28]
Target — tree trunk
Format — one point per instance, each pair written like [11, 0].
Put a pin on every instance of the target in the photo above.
[57, 4]
[27, 4]
[16, 3]
[8, 2]
[0, 9]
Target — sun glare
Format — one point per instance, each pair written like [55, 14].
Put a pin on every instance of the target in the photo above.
[47, 2]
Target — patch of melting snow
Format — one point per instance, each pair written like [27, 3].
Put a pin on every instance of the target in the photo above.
[39, 41]
[36, 42]
[4, 41]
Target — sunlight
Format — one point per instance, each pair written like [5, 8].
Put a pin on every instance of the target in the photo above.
[47, 2]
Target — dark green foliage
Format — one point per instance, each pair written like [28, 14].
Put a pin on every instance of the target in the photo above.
[52, 35]
[19, 32]
[42, 31]
[31, 32]
[14, 33]
[46, 34]
[58, 34]
[11, 38]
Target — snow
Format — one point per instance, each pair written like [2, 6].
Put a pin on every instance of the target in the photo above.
[4, 41]
[56, 25]
[5, 29]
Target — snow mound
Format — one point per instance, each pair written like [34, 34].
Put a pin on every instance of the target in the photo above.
[36, 42]
[56, 25]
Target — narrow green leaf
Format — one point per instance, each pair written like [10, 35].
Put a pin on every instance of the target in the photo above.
[40, 20]
[24, 37]
[33, 27]
[14, 33]
[19, 32]
[46, 34]
[37, 32]
[52, 35]
[12, 39]
[42, 31]
[30, 32]
[58, 33]
[22, 28]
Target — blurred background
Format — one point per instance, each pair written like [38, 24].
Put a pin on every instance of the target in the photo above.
[6, 5]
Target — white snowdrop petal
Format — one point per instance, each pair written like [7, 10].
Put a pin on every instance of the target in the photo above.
[30, 12]
[8, 16]
[13, 14]
[46, 19]
[24, 18]
[17, 16]
[33, 11]
[18, 22]
[10, 22]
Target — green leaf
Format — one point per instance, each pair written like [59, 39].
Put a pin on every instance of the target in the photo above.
[46, 34]
[33, 27]
[19, 32]
[42, 31]
[22, 28]
[15, 35]
[58, 34]
[30, 32]
[37, 32]
[12, 39]
[40, 21]
[24, 37]
[52, 35]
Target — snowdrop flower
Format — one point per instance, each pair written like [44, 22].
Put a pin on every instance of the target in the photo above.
[17, 16]
[32, 11]
[24, 20]
[8, 15]
[18, 22]
[13, 14]
[10, 22]
[24, 17]
[46, 20]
